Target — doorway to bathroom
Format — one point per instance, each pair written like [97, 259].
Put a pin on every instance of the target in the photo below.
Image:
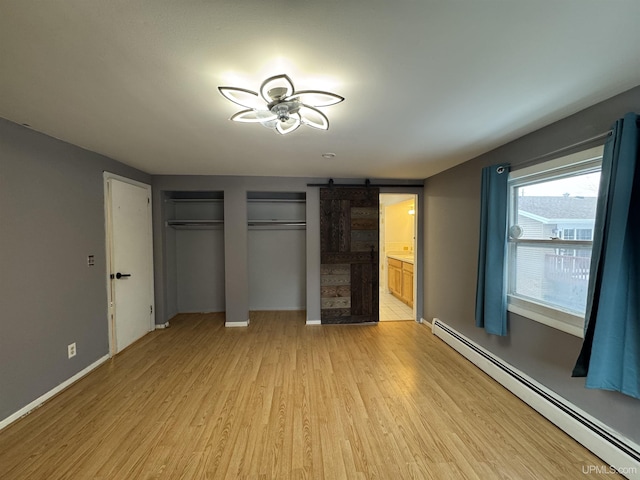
[398, 248]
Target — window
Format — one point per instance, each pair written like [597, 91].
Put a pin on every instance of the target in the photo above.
[584, 233]
[551, 219]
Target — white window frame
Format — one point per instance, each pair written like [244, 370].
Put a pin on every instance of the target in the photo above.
[577, 163]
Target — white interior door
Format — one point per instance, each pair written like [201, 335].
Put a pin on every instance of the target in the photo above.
[130, 261]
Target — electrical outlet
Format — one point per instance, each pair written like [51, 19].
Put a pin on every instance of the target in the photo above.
[71, 350]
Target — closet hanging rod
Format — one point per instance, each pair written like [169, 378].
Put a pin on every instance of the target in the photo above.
[198, 227]
[534, 160]
[193, 222]
[289, 223]
[195, 200]
[276, 200]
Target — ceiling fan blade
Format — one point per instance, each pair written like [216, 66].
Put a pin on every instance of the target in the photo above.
[254, 116]
[270, 123]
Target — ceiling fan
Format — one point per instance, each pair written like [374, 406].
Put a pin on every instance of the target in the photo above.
[279, 106]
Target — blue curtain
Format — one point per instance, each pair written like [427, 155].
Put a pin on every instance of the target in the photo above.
[491, 295]
[610, 355]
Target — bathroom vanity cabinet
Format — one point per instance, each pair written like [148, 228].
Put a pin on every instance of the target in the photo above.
[401, 279]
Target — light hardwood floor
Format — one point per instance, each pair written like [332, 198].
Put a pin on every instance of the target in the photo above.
[281, 400]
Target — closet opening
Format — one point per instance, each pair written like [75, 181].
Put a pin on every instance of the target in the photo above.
[195, 250]
[276, 223]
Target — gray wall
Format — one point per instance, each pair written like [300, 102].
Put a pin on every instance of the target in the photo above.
[51, 218]
[277, 269]
[452, 205]
[200, 270]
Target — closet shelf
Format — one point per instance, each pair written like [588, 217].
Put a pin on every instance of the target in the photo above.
[277, 224]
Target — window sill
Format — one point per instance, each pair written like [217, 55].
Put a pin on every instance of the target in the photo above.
[557, 319]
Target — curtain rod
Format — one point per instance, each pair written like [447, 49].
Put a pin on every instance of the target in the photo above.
[366, 184]
[533, 160]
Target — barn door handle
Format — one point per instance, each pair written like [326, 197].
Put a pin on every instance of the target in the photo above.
[122, 275]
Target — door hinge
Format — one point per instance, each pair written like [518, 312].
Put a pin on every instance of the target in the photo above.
[150, 308]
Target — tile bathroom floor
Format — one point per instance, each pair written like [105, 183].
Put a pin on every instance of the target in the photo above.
[392, 309]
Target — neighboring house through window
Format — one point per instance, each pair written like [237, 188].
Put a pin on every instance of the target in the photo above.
[551, 220]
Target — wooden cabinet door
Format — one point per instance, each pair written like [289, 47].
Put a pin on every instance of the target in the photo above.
[349, 254]
[395, 277]
[407, 284]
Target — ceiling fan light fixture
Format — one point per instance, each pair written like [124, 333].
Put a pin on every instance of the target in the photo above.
[285, 109]
[317, 98]
[277, 87]
[313, 117]
[289, 125]
[244, 98]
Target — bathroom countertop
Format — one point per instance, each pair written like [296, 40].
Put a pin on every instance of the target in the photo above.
[402, 257]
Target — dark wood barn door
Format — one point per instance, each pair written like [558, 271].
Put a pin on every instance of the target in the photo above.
[349, 254]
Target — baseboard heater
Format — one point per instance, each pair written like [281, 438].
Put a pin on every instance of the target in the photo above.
[621, 454]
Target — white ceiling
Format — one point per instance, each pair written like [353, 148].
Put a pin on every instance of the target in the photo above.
[428, 84]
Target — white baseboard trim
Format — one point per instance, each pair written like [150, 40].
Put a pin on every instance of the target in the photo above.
[160, 326]
[237, 324]
[426, 323]
[314, 322]
[51, 393]
[620, 452]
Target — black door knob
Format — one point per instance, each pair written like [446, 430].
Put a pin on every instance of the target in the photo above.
[121, 275]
